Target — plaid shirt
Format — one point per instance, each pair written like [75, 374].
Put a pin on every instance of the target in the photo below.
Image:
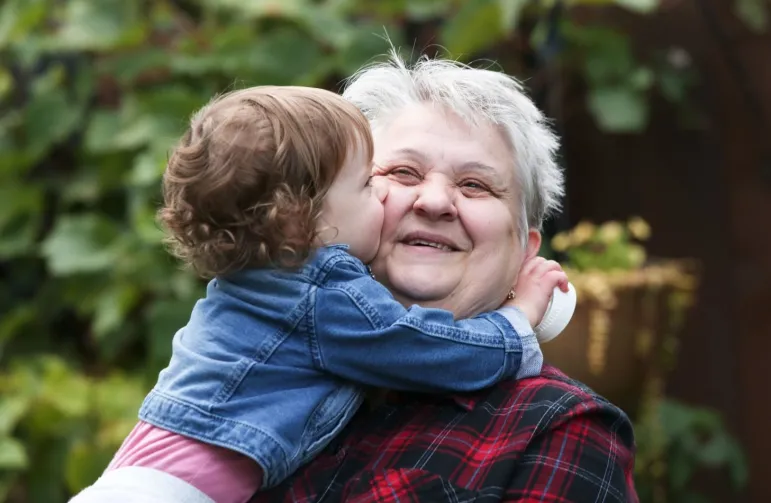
[546, 439]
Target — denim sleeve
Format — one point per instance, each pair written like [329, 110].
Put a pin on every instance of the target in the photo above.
[361, 333]
[532, 357]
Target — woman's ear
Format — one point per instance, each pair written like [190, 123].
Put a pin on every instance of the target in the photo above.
[533, 244]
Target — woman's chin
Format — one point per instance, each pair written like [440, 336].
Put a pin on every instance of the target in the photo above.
[421, 284]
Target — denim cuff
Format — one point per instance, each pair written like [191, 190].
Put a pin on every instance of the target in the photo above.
[532, 357]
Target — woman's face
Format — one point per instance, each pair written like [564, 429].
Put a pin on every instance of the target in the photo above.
[449, 235]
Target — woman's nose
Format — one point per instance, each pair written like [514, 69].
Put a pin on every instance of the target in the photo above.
[436, 200]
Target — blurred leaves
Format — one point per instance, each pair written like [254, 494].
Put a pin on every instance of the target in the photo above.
[607, 247]
[80, 243]
[639, 6]
[474, 26]
[678, 440]
[61, 413]
[754, 13]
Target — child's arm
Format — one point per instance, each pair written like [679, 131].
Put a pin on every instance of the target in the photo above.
[361, 333]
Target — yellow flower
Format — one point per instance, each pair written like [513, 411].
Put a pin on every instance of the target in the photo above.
[636, 256]
[582, 233]
[560, 242]
[639, 228]
[610, 232]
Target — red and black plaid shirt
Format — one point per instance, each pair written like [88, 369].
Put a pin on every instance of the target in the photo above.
[544, 439]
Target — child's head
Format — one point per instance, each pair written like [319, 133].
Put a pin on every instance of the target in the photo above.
[247, 185]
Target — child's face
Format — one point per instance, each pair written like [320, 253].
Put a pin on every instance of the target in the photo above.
[352, 213]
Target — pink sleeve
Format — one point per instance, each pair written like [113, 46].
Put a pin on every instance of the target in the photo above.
[225, 476]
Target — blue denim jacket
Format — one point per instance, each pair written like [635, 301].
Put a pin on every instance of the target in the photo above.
[269, 362]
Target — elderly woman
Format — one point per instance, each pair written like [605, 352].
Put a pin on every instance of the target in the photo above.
[469, 163]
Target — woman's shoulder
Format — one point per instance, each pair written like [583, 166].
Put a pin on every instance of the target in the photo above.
[552, 399]
[552, 383]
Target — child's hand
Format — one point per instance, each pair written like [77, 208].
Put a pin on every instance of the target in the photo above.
[535, 287]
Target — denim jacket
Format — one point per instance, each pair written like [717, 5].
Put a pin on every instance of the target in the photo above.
[271, 362]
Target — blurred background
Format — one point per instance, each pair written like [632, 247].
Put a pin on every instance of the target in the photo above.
[664, 107]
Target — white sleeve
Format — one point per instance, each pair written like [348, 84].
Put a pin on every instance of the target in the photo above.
[136, 484]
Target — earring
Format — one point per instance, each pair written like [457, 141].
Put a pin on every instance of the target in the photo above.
[511, 295]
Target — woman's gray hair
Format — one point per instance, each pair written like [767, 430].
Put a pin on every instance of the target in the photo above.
[478, 96]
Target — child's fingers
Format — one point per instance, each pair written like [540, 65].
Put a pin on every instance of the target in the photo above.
[556, 279]
[547, 266]
[531, 265]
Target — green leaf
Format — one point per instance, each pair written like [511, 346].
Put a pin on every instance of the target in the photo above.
[754, 13]
[142, 211]
[618, 110]
[20, 217]
[17, 201]
[639, 6]
[85, 463]
[102, 130]
[81, 244]
[12, 409]
[510, 12]
[89, 25]
[13, 455]
[64, 390]
[6, 83]
[18, 237]
[284, 57]
[127, 67]
[673, 85]
[165, 318]
[7, 482]
[112, 307]
[14, 321]
[367, 42]
[475, 26]
[327, 25]
[45, 483]
[642, 78]
[117, 398]
[18, 18]
[49, 119]
[421, 10]
[148, 167]
[288, 9]
[609, 59]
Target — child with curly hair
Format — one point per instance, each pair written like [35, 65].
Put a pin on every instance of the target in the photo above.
[270, 194]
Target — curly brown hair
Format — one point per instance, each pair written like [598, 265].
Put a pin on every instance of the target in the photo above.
[244, 187]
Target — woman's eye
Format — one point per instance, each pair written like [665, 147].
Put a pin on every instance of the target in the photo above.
[474, 186]
[403, 172]
[404, 175]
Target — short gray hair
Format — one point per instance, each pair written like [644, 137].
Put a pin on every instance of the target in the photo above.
[478, 96]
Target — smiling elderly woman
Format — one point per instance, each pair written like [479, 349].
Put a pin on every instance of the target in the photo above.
[470, 166]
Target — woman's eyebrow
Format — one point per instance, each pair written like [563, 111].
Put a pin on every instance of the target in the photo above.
[478, 166]
[410, 152]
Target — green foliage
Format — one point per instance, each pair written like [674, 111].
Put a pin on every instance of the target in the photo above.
[754, 13]
[677, 441]
[71, 425]
[620, 84]
[607, 247]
